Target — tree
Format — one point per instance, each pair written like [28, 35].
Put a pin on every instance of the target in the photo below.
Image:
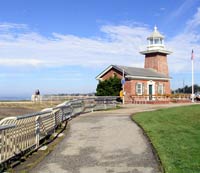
[187, 89]
[109, 87]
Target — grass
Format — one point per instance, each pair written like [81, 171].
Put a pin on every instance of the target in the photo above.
[175, 134]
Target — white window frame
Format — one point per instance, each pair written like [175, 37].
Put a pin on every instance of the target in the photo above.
[160, 89]
[137, 88]
[153, 88]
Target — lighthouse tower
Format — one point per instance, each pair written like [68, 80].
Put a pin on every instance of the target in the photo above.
[156, 53]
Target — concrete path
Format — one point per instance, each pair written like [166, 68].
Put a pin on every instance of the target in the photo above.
[103, 142]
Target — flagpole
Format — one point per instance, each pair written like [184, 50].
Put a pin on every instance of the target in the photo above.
[192, 76]
[123, 87]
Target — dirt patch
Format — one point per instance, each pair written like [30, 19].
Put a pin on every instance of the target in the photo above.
[8, 109]
[14, 111]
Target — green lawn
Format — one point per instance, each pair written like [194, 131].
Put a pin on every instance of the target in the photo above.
[175, 133]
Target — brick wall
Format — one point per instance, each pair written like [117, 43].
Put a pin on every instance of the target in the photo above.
[129, 86]
[111, 73]
[130, 89]
[167, 87]
[157, 61]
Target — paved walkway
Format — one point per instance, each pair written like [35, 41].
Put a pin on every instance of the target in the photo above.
[103, 142]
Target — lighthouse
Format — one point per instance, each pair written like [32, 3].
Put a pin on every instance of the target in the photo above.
[152, 80]
[156, 53]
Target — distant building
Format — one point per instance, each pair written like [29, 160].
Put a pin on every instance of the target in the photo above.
[36, 96]
[149, 81]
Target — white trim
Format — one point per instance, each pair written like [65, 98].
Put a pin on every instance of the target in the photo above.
[139, 83]
[156, 51]
[162, 88]
[103, 72]
[151, 78]
[153, 88]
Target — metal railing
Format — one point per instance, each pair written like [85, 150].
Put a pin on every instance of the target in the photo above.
[21, 133]
[57, 98]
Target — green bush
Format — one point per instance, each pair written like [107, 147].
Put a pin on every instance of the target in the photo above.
[109, 87]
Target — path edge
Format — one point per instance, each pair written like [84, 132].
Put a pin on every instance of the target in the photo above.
[155, 152]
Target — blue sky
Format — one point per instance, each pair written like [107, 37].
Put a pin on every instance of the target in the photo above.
[60, 46]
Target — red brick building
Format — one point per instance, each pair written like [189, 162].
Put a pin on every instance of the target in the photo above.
[149, 81]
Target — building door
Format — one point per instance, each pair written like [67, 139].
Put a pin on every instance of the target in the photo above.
[150, 91]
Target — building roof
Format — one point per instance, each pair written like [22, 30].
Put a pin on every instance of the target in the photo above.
[156, 34]
[136, 73]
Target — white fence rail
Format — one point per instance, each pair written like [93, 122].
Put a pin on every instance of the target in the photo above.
[43, 98]
[21, 133]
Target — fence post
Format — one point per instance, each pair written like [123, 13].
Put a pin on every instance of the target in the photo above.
[37, 131]
[83, 106]
[104, 102]
[62, 114]
[93, 103]
[55, 121]
[72, 110]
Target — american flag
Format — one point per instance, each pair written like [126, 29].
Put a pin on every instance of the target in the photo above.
[192, 55]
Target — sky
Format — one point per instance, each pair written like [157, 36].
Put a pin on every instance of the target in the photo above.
[60, 46]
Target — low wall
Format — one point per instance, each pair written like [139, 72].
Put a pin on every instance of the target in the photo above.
[157, 99]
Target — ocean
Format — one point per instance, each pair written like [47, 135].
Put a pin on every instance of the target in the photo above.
[11, 98]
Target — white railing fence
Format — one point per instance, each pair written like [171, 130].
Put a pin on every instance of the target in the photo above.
[22, 133]
[174, 98]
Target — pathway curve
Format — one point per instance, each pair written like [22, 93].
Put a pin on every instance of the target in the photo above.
[103, 142]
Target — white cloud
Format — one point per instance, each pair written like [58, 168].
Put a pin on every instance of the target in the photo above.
[194, 22]
[7, 26]
[182, 45]
[173, 18]
[11, 75]
[20, 62]
[119, 45]
[183, 8]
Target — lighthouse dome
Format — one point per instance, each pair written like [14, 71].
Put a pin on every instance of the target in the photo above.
[156, 40]
[155, 34]
[156, 43]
